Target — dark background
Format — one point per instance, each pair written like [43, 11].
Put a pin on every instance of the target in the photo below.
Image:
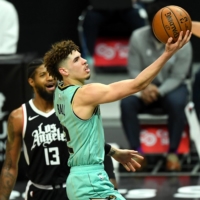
[47, 21]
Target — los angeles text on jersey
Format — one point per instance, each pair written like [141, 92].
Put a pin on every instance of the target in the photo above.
[61, 109]
[46, 134]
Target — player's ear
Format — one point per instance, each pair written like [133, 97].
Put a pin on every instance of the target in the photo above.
[63, 71]
[30, 81]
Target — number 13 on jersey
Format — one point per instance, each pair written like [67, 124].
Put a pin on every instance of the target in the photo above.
[52, 156]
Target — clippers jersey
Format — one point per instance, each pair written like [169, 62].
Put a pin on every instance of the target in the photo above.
[85, 138]
[44, 146]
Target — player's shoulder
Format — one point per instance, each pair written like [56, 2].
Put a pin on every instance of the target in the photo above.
[17, 113]
[16, 119]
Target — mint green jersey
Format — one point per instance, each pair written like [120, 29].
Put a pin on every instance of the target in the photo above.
[85, 138]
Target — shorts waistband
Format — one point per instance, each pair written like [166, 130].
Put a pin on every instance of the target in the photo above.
[86, 168]
[49, 187]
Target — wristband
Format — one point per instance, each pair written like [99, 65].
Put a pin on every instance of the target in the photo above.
[107, 148]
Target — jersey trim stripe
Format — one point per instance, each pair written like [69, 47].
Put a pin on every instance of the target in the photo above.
[24, 120]
[40, 112]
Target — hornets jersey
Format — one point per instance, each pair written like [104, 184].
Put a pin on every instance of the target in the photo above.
[85, 138]
[44, 146]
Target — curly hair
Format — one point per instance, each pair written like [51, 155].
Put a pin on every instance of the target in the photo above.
[57, 54]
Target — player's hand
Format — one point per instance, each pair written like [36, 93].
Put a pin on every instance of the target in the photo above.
[127, 158]
[171, 47]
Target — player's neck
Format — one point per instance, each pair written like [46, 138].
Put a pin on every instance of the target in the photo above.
[42, 104]
[72, 82]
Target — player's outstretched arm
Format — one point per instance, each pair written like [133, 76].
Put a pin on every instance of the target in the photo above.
[13, 149]
[126, 158]
[101, 93]
[196, 28]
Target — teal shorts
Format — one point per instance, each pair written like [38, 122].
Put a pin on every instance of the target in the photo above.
[87, 182]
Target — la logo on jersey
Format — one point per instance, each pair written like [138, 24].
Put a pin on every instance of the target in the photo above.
[46, 134]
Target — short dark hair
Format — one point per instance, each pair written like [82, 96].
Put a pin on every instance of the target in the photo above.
[56, 54]
[32, 66]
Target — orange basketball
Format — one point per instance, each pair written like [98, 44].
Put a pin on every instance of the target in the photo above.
[169, 21]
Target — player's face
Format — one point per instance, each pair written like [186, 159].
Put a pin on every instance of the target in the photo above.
[77, 67]
[44, 84]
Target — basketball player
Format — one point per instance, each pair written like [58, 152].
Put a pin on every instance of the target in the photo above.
[77, 108]
[35, 126]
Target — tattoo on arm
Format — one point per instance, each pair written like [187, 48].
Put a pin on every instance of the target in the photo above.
[7, 176]
[111, 152]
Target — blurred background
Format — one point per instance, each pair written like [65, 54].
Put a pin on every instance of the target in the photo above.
[44, 22]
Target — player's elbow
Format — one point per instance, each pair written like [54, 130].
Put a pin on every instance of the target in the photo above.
[140, 86]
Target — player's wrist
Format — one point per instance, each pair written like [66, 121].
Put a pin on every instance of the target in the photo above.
[111, 152]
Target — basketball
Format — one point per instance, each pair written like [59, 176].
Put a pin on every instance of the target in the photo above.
[169, 21]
